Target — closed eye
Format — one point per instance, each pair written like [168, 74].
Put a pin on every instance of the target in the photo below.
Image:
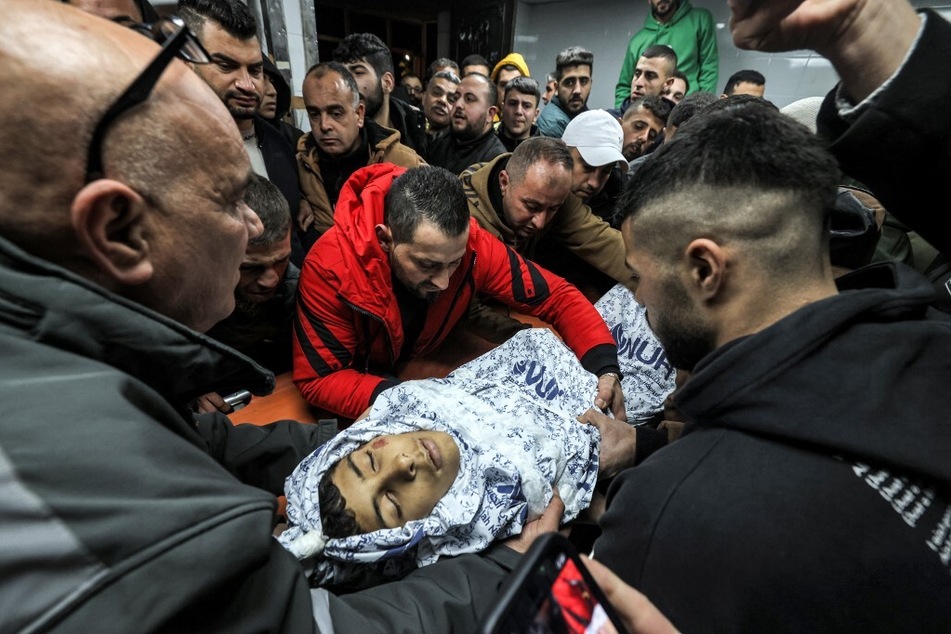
[372, 461]
[396, 505]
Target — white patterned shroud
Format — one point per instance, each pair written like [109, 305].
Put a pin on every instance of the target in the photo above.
[512, 411]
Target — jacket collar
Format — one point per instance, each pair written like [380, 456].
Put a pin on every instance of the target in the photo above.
[65, 311]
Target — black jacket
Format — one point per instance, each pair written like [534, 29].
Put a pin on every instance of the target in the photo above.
[810, 489]
[281, 164]
[454, 155]
[410, 123]
[115, 515]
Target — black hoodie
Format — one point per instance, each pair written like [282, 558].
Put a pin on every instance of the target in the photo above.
[810, 488]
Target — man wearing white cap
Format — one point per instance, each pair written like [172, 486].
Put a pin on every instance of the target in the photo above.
[594, 138]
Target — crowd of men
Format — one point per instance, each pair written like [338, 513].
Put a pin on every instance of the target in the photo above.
[184, 240]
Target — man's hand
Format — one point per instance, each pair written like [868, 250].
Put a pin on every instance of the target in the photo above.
[640, 616]
[865, 40]
[618, 441]
[305, 215]
[211, 402]
[549, 522]
[787, 25]
[610, 396]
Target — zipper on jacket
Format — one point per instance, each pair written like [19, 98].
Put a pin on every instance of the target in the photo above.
[366, 333]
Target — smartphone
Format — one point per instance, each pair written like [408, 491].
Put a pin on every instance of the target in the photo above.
[550, 591]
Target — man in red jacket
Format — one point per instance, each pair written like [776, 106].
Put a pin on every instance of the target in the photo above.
[396, 273]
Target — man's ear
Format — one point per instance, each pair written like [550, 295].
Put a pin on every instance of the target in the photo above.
[109, 220]
[707, 267]
[385, 237]
[503, 181]
[360, 111]
[388, 82]
[493, 110]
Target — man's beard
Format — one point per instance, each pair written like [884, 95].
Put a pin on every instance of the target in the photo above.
[374, 102]
[245, 306]
[671, 7]
[685, 338]
[240, 112]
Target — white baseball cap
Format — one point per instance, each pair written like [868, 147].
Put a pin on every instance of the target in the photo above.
[598, 137]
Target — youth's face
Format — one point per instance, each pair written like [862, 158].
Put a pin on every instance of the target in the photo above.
[426, 264]
[519, 113]
[502, 80]
[574, 88]
[392, 480]
[530, 204]
[681, 327]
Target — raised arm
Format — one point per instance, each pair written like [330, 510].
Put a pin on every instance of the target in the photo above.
[866, 40]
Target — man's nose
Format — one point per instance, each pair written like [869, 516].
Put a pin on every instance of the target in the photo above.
[441, 279]
[269, 278]
[245, 81]
[538, 221]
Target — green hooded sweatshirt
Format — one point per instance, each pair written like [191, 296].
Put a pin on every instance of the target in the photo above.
[692, 34]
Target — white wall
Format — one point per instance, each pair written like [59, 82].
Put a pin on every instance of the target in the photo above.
[605, 26]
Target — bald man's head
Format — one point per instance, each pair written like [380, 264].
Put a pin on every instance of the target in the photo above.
[110, 9]
[167, 162]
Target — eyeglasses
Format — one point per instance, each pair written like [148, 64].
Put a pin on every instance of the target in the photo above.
[176, 39]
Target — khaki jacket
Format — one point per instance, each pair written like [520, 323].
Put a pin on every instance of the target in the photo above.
[575, 226]
[387, 149]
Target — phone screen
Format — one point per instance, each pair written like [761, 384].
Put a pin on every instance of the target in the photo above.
[551, 592]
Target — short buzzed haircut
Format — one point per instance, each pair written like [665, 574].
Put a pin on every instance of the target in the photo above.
[525, 86]
[689, 106]
[365, 47]
[573, 56]
[321, 69]
[538, 149]
[233, 16]
[743, 76]
[425, 193]
[661, 51]
[750, 148]
[269, 204]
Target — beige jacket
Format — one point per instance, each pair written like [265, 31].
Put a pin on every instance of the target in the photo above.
[575, 226]
[387, 149]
